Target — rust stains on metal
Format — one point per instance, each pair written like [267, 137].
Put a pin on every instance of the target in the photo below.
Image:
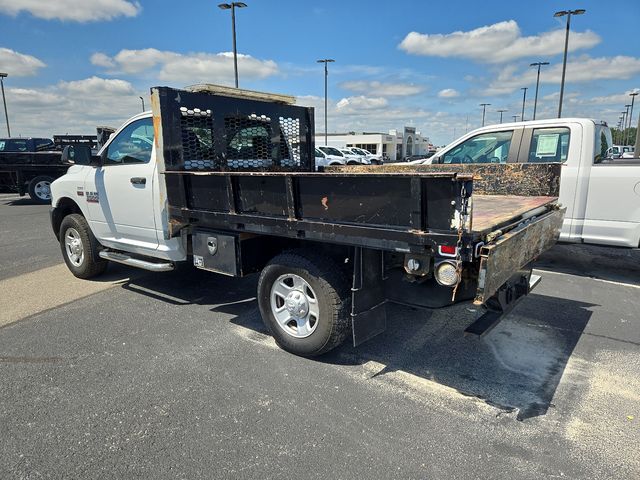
[529, 179]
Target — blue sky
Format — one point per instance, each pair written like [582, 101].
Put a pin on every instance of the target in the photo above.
[74, 64]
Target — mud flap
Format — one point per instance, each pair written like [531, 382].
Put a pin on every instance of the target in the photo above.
[368, 302]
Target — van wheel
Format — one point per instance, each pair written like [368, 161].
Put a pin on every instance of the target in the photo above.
[80, 248]
[304, 300]
[40, 189]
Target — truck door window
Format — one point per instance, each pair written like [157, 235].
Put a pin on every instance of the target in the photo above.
[490, 147]
[133, 144]
[603, 142]
[549, 145]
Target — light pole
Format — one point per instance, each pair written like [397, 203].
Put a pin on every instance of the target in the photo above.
[515, 117]
[633, 98]
[500, 111]
[4, 101]
[625, 123]
[484, 107]
[142, 100]
[326, 62]
[535, 102]
[524, 101]
[232, 6]
[568, 13]
[620, 129]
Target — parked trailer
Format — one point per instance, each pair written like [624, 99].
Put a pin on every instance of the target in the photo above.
[227, 178]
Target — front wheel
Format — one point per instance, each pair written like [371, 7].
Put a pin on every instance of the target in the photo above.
[40, 189]
[304, 301]
[80, 248]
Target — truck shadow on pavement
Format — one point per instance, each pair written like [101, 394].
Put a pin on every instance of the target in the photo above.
[515, 368]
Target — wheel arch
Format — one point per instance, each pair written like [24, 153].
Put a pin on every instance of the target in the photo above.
[65, 206]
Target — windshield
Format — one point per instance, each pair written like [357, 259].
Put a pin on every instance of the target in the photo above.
[332, 151]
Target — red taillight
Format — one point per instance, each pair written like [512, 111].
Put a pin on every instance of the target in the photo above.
[447, 250]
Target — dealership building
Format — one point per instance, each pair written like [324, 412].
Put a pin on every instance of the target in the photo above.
[397, 144]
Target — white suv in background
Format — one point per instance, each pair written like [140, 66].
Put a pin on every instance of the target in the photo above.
[371, 158]
[353, 158]
[325, 159]
[336, 152]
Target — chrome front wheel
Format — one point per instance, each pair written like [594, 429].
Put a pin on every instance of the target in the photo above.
[73, 247]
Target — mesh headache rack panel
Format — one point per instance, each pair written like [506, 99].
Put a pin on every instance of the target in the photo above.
[214, 132]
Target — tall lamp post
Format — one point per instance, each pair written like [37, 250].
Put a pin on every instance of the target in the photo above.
[326, 62]
[484, 107]
[4, 101]
[524, 101]
[568, 13]
[515, 117]
[633, 98]
[535, 101]
[627, 121]
[624, 124]
[232, 6]
[500, 111]
[142, 100]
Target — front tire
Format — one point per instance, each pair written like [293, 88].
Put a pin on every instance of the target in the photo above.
[40, 189]
[304, 301]
[80, 248]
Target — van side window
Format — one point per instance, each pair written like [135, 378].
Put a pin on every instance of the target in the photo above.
[490, 147]
[549, 145]
[133, 144]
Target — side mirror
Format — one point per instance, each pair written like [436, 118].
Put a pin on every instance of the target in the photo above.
[80, 155]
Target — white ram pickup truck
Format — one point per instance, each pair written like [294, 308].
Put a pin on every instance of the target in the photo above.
[601, 194]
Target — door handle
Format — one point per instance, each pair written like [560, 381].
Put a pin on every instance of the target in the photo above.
[138, 180]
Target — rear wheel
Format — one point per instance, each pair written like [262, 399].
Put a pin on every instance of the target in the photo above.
[304, 300]
[40, 189]
[80, 248]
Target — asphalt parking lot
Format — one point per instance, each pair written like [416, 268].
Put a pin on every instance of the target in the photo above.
[173, 376]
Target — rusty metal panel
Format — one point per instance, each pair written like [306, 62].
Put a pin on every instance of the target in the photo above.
[515, 249]
[526, 179]
[492, 211]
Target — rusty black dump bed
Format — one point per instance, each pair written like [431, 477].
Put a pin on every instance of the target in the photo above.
[247, 164]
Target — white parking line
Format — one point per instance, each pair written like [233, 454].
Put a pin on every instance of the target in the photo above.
[611, 282]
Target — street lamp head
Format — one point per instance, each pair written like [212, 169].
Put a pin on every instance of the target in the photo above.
[632, 94]
[579, 11]
[3, 75]
[525, 88]
[224, 6]
[535, 64]
[326, 60]
[561, 13]
[239, 4]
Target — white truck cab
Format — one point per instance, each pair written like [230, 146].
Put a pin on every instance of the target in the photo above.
[601, 195]
[122, 199]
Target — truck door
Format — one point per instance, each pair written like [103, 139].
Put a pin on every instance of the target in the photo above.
[560, 144]
[119, 193]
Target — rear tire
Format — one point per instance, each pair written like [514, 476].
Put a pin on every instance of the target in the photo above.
[80, 248]
[40, 189]
[305, 301]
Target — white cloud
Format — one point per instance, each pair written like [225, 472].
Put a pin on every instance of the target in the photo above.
[500, 42]
[75, 107]
[354, 104]
[579, 70]
[74, 10]
[382, 89]
[101, 60]
[448, 93]
[19, 64]
[188, 68]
